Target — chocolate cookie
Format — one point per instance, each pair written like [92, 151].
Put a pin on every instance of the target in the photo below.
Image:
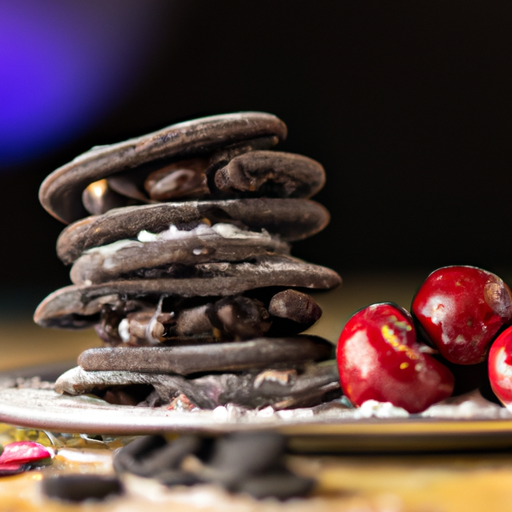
[291, 219]
[71, 306]
[61, 192]
[184, 268]
[285, 388]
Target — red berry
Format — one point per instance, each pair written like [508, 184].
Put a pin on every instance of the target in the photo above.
[500, 367]
[380, 359]
[461, 309]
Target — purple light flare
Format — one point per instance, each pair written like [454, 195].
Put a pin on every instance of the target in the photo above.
[64, 65]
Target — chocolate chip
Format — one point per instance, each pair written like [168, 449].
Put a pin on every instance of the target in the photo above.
[241, 454]
[293, 311]
[249, 462]
[271, 174]
[239, 317]
[296, 306]
[151, 456]
[168, 457]
[253, 463]
[281, 485]
[98, 198]
[128, 184]
[178, 180]
[129, 395]
[77, 488]
[132, 455]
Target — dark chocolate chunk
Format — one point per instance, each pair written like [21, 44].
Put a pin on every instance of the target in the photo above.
[152, 455]
[224, 155]
[233, 318]
[191, 322]
[131, 455]
[98, 198]
[137, 183]
[81, 487]
[127, 395]
[296, 306]
[180, 180]
[60, 193]
[247, 462]
[171, 455]
[270, 174]
[239, 455]
[253, 463]
[282, 485]
[186, 360]
[128, 185]
[239, 318]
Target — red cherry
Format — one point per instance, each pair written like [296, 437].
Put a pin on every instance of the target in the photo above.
[461, 308]
[380, 359]
[500, 367]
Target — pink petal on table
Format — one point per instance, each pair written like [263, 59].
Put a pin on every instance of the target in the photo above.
[22, 452]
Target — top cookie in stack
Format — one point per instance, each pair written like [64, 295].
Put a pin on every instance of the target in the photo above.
[183, 267]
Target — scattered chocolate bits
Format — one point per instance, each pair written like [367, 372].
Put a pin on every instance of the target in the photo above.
[249, 462]
[78, 487]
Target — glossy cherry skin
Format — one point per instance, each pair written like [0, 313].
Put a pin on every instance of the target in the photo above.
[379, 359]
[500, 367]
[461, 309]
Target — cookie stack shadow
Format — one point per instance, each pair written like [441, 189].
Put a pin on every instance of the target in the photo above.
[179, 243]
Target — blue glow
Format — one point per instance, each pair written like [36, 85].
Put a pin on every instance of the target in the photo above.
[63, 65]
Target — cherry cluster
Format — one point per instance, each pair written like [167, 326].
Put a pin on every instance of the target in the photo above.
[458, 323]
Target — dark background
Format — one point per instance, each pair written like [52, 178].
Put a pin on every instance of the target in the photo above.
[408, 105]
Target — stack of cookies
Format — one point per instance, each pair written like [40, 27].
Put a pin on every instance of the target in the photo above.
[179, 243]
